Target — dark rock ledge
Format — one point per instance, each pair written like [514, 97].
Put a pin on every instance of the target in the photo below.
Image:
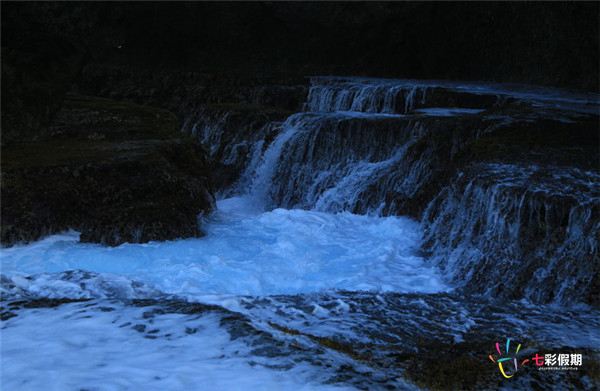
[117, 172]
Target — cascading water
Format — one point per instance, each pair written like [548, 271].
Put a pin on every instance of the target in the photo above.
[370, 98]
[348, 153]
[516, 231]
[327, 161]
[308, 278]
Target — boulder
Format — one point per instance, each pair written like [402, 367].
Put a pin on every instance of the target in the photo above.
[117, 172]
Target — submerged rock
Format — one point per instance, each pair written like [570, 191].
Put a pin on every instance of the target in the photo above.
[117, 172]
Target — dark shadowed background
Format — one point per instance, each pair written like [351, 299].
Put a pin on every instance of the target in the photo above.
[543, 43]
[46, 44]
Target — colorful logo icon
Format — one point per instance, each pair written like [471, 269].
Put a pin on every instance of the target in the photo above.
[501, 360]
[549, 361]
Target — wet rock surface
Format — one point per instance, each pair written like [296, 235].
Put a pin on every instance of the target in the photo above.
[515, 231]
[354, 339]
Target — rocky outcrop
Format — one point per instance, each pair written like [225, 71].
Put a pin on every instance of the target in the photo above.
[117, 172]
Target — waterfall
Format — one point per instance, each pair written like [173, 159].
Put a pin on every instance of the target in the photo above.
[341, 161]
[508, 231]
[232, 138]
[264, 170]
[389, 147]
[363, 97]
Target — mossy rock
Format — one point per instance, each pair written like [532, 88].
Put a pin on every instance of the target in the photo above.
[94, 118]
[445, 367]
[143, 181]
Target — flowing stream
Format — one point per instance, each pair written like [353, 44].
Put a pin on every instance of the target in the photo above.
[308, 278]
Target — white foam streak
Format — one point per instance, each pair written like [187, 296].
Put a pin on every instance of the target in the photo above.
[114, 347]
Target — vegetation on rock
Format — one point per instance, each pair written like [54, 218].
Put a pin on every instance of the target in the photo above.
[117, 172]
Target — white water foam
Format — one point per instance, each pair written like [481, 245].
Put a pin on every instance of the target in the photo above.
[248, 253]
[108, 346]
[117, 346]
